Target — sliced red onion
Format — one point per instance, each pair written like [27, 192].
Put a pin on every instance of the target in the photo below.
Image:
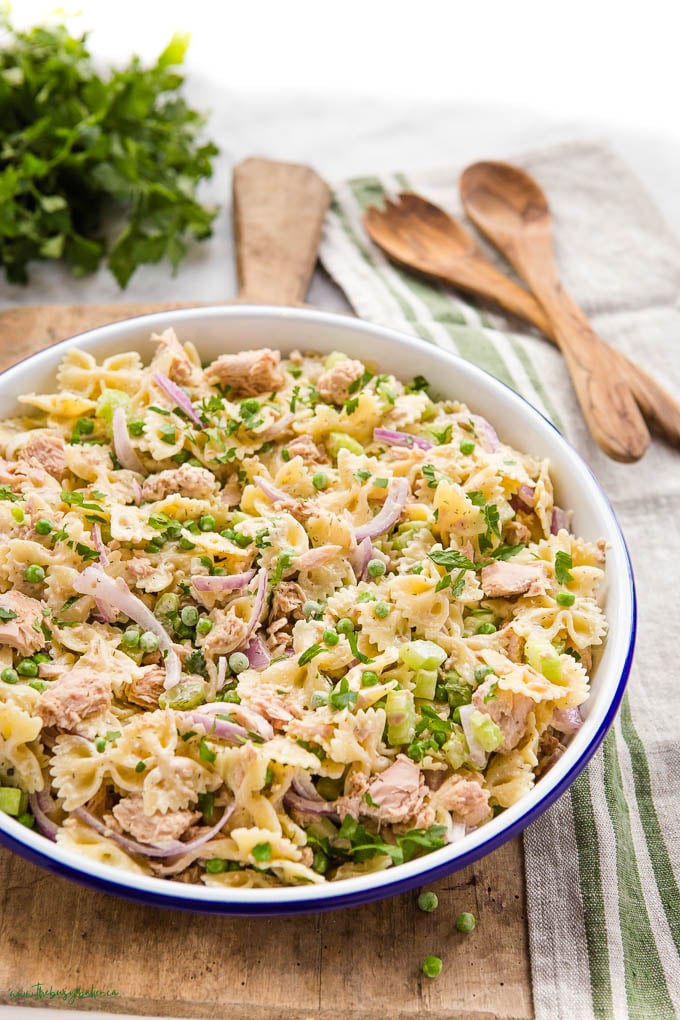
[257, 653]
[567, 720]
[486, 433]
[277, 427]
[314, 558]
[295, 802]
[171, 848]
[220, 728]
[99, 545]
[560, 519]
[122, 446]
[524, 499]
[41, 803]
[272, 493]
[221, 672]
[304, 787]
[248, 717]
[174, 393]
[137, 491]
[217, 582]
[397, 494]
[105, 614]
[361, 558]
[93, 581]
[477, 752]
[260, 599]
[401, 439]
[455, 832]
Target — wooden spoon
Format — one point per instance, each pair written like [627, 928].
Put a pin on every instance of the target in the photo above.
[422, 236]
[509, 207]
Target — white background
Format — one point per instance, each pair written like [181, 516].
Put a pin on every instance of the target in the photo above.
[368, 85]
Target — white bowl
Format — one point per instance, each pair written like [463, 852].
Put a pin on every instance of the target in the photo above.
[223, 329]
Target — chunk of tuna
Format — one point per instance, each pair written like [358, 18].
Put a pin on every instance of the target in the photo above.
[187, 480]
[228, 632]
[155, 828]
[397, 792]
[48, 451]
[145, 690]
[305, 447]
[466, 799]
[180, 369]
[334, 383]
[79, 694]
[505, 579]
[247, 373]
[508, 710]
[22, 631]
[287, 601]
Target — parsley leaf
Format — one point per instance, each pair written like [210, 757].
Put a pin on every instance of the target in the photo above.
[451, 559]
[563, 563]
[88, 156]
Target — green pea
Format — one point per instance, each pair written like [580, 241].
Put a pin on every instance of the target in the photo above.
[43, 526]
[381, 610]
[27, 667]
[344, 626]
[565, 598]
[10, 676]
[38, 685]
[486, 628]
[34, 574]
[207, 523]
[148, 642]
[184, 543]
[130, 638]
[311, 608]
[466, 447]
[369, 678]
[432, 966]
[189, 616]
[428, 901]
[204, 626]
[330, 638]
[320, 480]
[466, 922]
[376, 568]
[238, 662]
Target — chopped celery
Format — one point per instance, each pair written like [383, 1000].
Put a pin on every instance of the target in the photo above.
[455, 750]
[422, 655]
[425, 683]
[401, 717]
[183, 697]
[339, 441]
[485, 731]
[333, 359]
[541, 654]
[109, 401]
[11, 800]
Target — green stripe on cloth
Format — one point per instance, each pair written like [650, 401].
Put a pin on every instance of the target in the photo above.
[646, 987]
[656, 844]
[590, 876]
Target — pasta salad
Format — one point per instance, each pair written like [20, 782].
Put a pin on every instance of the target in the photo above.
[277, 620]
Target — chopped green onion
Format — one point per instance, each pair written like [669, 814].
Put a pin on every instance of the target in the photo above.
[183, 696]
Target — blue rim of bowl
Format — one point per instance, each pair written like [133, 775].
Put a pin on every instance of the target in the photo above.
[344, 899]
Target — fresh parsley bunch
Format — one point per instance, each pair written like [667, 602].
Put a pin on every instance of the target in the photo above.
[81, 154]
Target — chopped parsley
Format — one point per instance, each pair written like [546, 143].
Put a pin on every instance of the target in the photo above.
[563, 564]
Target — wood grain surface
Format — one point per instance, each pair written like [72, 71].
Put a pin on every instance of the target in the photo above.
[356, 964]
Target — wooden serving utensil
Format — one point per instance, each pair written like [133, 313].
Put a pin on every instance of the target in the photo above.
[422, 236]
[509, 207]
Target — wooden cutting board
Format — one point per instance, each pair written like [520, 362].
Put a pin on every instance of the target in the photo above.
[358, 964]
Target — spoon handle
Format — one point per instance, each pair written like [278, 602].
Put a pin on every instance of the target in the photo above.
[602, 388]
[279, 210]
[660, 409]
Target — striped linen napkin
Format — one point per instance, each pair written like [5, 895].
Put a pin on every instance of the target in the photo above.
[603, 864]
